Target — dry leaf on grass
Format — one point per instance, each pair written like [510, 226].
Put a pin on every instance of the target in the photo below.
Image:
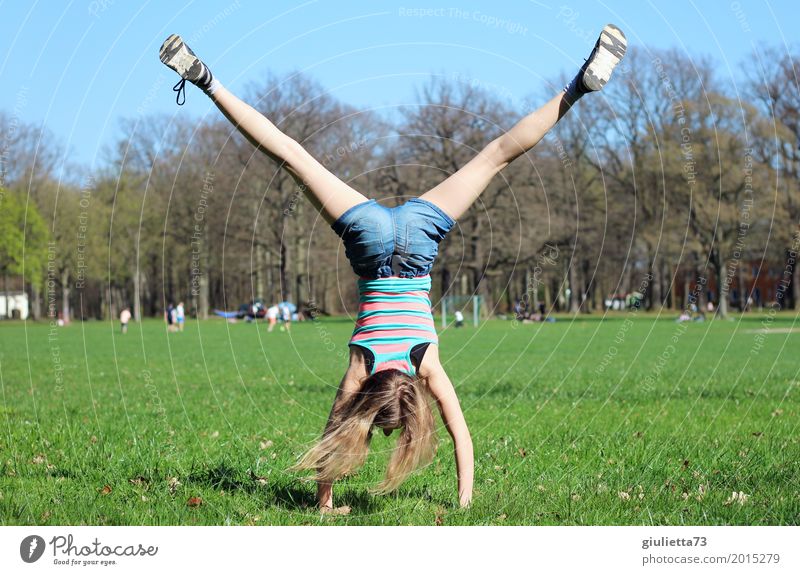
[173, 484]
[260, 479]
[737, 497]
[440, 512]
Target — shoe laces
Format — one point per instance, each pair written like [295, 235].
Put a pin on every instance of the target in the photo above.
[180, 88]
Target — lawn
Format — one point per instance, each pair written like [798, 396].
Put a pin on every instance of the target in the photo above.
[630, 420]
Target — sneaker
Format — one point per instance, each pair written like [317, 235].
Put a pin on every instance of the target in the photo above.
[177, 55]
[607, 52]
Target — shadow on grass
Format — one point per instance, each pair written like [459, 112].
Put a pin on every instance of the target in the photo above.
[289, 494]
[421, 493]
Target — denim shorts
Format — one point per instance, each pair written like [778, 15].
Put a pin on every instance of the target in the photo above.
[402, 241]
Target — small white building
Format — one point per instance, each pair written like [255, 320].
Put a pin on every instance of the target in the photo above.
[14, 304]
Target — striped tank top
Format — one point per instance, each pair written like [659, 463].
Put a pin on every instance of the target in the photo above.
[394, 316]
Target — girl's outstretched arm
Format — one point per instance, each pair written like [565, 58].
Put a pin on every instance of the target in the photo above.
[350, 384]
[445, 394]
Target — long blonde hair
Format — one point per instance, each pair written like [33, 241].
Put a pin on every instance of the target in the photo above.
[388, 399]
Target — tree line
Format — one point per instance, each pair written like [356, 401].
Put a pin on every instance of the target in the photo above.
[674, 182]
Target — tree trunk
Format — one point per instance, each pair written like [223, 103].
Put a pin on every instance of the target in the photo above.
[259, 271]
[687, 290]
[794, 288]
[203, 295]
[283, 273]
[702, 294]
[154, 302]
[137, 294]
[598, 298]
[573, 286]
[743, 291]
[556, 296]
[65, 311]
[36, 302]
[175, 282]
[547, 299]
[324, 302]
[445, 277]
[487, 294]
[114, 302]
[105, 299]
[270, 279]
[509, 295]
[654, 297]
[673, 302]
[719, 271]
[587, 287]
[300, 291]
[5, 295]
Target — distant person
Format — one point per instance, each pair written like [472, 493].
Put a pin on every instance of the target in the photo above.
[286, 316]
[459, 318]
[180, 316]
[169, 316]
[272, 316]
[710, 306]
[124, 318]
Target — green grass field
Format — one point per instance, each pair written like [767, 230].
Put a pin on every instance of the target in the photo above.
[578, 422]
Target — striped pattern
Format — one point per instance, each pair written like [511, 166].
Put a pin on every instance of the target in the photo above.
[394, 315]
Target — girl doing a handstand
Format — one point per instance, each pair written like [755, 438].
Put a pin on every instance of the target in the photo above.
[394, 357]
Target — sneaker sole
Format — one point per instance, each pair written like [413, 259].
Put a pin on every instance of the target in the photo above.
[177, 55]
[611, 45]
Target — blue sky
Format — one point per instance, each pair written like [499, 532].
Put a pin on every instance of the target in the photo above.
[80, 67]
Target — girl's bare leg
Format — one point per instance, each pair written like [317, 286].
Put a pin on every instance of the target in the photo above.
[457, 193]
[328, 193]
